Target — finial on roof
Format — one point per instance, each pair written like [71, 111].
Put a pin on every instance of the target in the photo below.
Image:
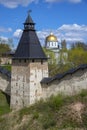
[29, 11]
[51, 33]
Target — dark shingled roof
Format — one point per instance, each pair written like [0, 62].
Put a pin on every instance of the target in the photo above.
[29, 20]
[29, 45]
[5, 72]
[60, 76]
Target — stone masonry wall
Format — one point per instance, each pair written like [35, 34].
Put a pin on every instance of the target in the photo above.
[68, 85]
[20, 84]
[38, 71]
[25, 82]
[5, 85]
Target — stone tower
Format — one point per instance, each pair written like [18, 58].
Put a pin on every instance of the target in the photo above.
[29, 66]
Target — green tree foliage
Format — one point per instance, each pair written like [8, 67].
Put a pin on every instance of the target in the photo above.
[51, 61]
[69, 58]
[51, 56]
[63, 44]
[79, 45]
[77, 55]
[4, 48]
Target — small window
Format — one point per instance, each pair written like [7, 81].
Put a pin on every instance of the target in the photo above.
[36, 93]
[20, 61]
[25, 60]
[16, 92]
[16, 102]
[41, 61]
[13, 61]
[33, 60]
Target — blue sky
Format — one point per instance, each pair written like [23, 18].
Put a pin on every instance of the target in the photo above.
[67, 19]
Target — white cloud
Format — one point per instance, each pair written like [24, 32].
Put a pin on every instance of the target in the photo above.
[75, 1]
[17, 33]
[16, 3]
[3, 39]
[2, 29]
[73, 27]
[71, 33]
[72, 1]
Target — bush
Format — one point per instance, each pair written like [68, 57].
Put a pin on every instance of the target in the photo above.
[35, 115]
[49, 122]
[83, 93]
[55, 102]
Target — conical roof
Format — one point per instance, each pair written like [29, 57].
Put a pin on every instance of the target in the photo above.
[28, 19]
[29, 45]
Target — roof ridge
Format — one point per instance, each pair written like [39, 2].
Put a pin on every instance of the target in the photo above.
[61, 75]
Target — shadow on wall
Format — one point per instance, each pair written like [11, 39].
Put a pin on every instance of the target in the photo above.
[8, 88]
[7, 98]
[8, 92]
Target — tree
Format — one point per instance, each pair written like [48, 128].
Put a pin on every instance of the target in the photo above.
[64, 44]
[4, 48]
[10, 43]
[77, 56]
[79, 45]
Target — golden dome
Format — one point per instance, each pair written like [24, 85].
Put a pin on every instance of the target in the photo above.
[51, 38]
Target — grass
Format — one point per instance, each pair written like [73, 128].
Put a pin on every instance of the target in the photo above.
[52, 114]
[4, 106]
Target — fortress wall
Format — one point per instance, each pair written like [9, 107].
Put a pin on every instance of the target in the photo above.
[6, 60]
[69, 85]
[5, 84]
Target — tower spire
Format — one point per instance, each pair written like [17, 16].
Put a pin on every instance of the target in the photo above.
[29, 24]
[29, 45]
[29, 11]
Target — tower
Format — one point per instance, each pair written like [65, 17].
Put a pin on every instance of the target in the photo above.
[29, 66]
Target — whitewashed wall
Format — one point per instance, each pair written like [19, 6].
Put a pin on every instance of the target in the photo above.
[69, 85]
[5, 85]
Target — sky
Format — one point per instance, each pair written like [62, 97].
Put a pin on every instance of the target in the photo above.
[66, 19]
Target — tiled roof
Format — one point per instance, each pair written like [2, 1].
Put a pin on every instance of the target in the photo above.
[29, 45]
[29, 20]
[60, 76]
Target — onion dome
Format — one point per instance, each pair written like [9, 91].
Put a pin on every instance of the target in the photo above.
[51, 38]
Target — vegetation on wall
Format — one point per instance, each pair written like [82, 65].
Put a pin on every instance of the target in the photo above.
[7, 67]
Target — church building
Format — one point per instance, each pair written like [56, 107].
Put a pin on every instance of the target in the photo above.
[29, 67]
[52, 44]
